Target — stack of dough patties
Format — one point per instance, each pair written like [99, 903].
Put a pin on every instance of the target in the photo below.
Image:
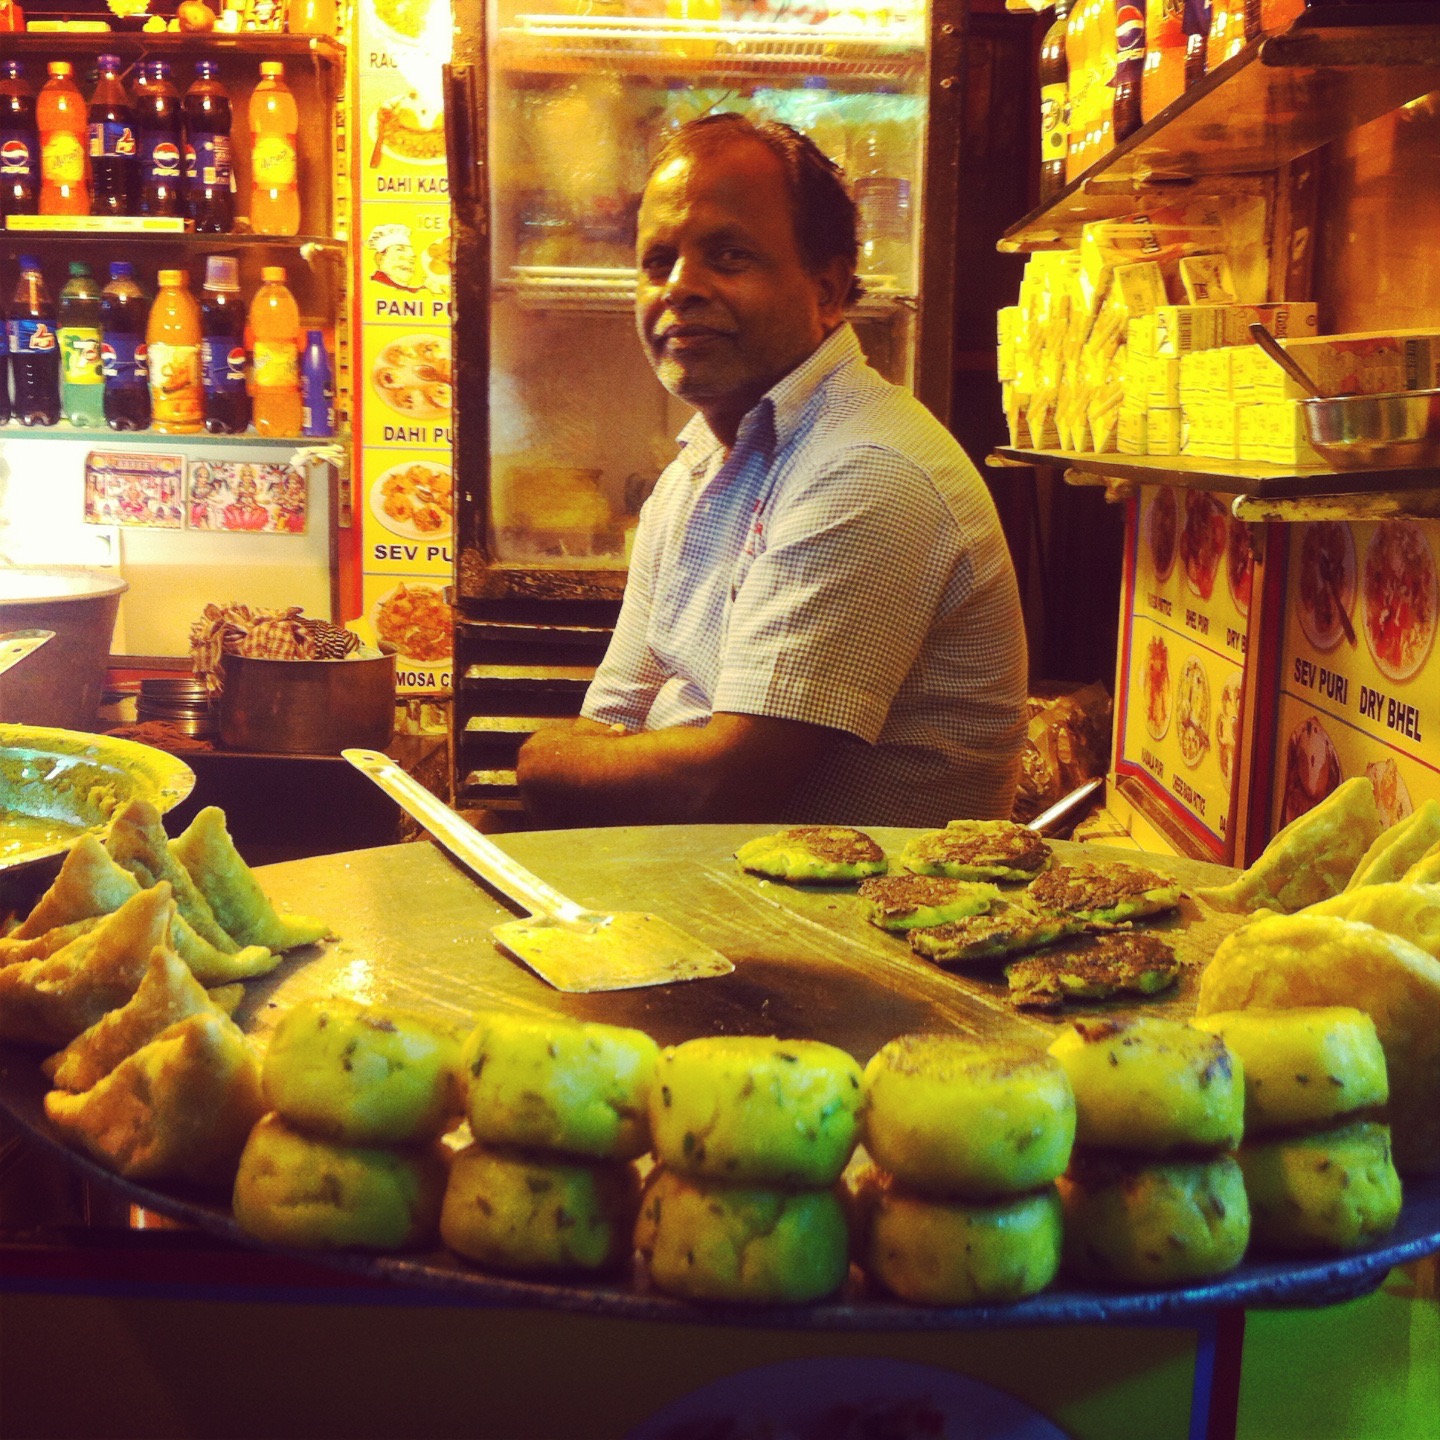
[1154, 1194]
[751, 1134]
[1316, 1158]
[958, 1205]
[348, 1153]
[557, 1109]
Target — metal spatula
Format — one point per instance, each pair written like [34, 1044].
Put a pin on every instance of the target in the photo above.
[573, 949]
[15, 645]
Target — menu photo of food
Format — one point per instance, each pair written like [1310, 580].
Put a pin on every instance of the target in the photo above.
[1162, 528]
[415, 618]
[415, 499]
[1202, 541]
[407, 128]
[1312, 769]
[1156, 686]
[1392, 794]
[1192, 710]
[1399, 591]
[1227, 727]
[1240, 562]
[1325, 588]
[398, 21]
[412, 376]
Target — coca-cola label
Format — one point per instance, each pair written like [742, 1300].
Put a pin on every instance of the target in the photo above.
[110, 138]
[31, 337]
[1130, 34]
[222, 361]
[122, 358]
[207, 159]
[161, 157]
[17, 155]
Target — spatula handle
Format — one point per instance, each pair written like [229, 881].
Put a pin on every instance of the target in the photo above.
[462, 840]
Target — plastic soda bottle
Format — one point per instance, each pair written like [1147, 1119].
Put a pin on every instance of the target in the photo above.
[114, 150]
[1054, 103]
[882, 187]
[172, 343]
[19, 144]
[1102, 78]
[274, 332]
[317, 388]
[274, 121]
[1197, 39]
[209, 198]
[123, 357]
[82, 381]
[1129, 65]
[64, 144]
[34, 351]
[1077, 56]
[222, 348]
[162, 160]
[1163, 81]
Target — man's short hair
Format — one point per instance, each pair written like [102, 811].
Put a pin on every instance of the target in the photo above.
[823, 210]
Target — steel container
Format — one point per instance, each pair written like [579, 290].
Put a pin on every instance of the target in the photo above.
[308, 707]
[1376, 432]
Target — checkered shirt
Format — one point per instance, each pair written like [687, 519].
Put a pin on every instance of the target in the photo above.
[841, 565]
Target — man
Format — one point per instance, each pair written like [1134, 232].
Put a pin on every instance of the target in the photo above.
[394, 257]
[821, 621]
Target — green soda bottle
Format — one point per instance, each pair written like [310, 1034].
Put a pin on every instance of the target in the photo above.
[82, 381]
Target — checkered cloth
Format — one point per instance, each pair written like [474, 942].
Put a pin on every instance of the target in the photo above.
[261, 635]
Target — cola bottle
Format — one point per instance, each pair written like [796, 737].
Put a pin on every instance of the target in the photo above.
[1129, 66]
[222, 348]
[1054, 104]
[206, 110]
[114, 152]
[157, 124]
[123, 312]
[19, 144]
[4, 373]
[34, 348]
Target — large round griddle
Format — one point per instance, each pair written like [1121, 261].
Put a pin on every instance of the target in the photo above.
[414, 928]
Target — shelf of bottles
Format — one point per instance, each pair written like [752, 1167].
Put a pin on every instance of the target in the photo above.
[1280, 97]
[134, 46]
[556, 44]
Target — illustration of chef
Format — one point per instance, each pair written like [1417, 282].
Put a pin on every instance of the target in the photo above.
[394, 257]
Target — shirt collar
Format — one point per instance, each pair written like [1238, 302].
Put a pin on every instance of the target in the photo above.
[775, 417]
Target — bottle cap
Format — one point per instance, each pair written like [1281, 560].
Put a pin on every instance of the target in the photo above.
[207, 69]
[29, 262]
[271, 67]
[222, 272]
[158, 69]
[108, 62]
[60, 67]
[273, 274]
[315, 337]
[121, 270]
[174, 279]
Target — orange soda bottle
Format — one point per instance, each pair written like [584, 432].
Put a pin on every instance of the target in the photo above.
[62, 118]
[274, 334]
[274, 172]
[172, 343]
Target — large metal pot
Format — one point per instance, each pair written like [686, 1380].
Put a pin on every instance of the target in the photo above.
[308, 707]
[61, 683]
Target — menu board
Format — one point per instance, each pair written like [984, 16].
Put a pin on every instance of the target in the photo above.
[403, 375]
[1189, 579]
[1360, 677]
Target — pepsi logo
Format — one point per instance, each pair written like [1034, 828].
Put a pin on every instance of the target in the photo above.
[109, 362]
[14, 155]
[165, 158]
[1129, 29]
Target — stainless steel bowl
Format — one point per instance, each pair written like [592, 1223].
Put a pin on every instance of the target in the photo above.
[1376, 432]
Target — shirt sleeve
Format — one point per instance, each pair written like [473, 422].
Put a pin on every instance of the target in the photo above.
[627, 680]
[831, 616]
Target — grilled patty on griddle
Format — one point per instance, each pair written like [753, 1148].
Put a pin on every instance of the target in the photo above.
[1093, 968]
[901, 902]
[831, 853]
[1111, 892]
[977, 850]
[1009, 927]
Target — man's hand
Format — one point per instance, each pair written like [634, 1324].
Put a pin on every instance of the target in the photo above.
[735, 767]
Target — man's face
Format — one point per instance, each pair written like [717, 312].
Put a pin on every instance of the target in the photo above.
[397, 262]
[723, 302]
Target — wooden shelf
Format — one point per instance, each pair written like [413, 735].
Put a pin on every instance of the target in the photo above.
[169, 239]
[1279, 98]
[134, 45]
[103, 438]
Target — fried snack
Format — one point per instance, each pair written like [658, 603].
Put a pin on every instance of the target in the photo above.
[755, 1109]
[1311, 859]
[977, 850]
[1411, 911]
[214, 967]
[513, 1210]
[1285, 961]
[813, 854]
[1151, 1086]
[1322, 1192]
[960, 1118]
[226, 998]
[167, 993]
[206, 850]
[13, 951]
[1395, 850]
[1426, 870]
[1009, 927]
[706, 1240]
[556, 1084]
[179, 1108]
[361, 1074]
[905, 902]
[1153, 1224]
[953, 1252]
[1302, 1067]
[1095, 968]
[90, 883]
[1105, 892]
[295, 1189]
[50, 1001]
[138, 843]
